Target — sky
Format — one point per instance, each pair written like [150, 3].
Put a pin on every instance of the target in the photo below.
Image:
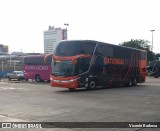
[22, 22]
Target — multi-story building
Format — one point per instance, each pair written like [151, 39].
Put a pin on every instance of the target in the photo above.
[3, 49]
[52, 37]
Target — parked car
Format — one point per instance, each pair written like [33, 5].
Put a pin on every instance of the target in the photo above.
[16, 75]
[153, 68]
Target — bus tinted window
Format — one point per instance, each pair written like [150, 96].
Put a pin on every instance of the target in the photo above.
[104, 50]
[34, 61]
[70, 48]
[82, 65]
[120, 52]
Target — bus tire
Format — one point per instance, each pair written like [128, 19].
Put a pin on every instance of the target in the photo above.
[130, 82]
[38, 78]
[135, 82]
[92, 85]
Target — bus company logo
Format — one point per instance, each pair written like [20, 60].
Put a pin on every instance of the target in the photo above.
[114, 61]
[36, 67]
[6, 125]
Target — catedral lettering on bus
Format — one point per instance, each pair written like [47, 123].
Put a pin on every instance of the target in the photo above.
[87, 63]
[113, 61]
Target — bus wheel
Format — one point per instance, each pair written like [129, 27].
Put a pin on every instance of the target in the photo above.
[135, 82]
[38, 78]
[92, 85]
[130, 83]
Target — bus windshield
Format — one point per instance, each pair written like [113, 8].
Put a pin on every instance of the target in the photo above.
[63, 68]
[72, 48]
[66, 68]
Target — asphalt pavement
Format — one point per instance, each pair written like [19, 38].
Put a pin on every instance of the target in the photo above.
[38, 102]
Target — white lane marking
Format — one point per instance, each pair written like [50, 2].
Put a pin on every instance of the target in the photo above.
[11, 88]
[1, 82]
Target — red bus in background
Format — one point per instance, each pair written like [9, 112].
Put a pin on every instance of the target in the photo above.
[34, 68]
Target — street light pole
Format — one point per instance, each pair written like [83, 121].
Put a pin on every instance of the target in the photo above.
[66, 24]
[2, 65]
[10, 59]
[152, 38]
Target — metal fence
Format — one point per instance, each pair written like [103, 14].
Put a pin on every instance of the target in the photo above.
[4, 69]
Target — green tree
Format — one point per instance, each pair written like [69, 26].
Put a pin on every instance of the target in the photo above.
[157, 56]
[140, 44]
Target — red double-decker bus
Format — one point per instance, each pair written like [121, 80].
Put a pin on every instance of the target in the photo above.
[35, 68]
[87, 63]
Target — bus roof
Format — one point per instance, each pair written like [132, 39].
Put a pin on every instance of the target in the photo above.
[104, 43]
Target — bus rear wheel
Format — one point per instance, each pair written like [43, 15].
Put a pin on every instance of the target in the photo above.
[130, 82]
[38, 78]
[135, 82]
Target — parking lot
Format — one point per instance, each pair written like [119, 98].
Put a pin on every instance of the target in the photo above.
[38, 102]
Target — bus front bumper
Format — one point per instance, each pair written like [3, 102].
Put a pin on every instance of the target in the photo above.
[70, 82]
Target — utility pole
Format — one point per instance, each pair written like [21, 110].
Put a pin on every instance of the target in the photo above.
[152, 38]
[2, 65]
[66, 24]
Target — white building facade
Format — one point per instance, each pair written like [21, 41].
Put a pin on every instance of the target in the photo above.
[52, 37]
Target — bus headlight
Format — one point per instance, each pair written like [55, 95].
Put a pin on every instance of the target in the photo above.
[63, 81]
[51, 79]
[56, 81]
[73, 79]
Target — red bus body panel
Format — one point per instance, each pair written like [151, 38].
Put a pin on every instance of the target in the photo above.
[30, 71]
[64, 82]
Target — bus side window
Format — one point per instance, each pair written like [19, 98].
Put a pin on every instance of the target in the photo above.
[82, 65]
